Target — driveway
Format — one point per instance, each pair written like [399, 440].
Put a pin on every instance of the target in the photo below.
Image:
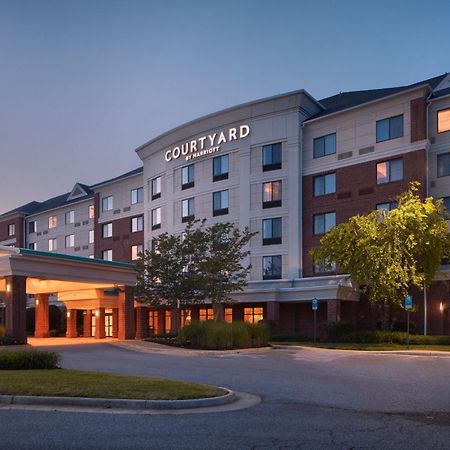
[311, 399]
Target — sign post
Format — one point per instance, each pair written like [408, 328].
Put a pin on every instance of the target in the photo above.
[408, 307]
[315, 307]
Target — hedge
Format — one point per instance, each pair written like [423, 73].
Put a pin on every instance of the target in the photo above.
[222, 335]
[28, 360]
[394, 337]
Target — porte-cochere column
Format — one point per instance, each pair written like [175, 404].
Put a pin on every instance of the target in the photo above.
[126, 314]
[41, 321]
[16, 308]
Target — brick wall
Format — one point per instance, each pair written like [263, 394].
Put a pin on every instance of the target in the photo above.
[18, 221]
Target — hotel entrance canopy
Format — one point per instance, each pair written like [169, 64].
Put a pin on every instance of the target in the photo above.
[81, 283]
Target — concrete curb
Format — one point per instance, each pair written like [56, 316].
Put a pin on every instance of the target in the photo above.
[107, 403]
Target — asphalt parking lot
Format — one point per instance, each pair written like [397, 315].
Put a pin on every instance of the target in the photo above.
[311, 399]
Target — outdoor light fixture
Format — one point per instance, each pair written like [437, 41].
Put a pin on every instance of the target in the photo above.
[37, 302]
[97, 313]
[68, 314]
[8, 287]
[441, 307]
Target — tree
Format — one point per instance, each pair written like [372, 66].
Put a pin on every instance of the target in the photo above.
[201, 263]
[388, 253]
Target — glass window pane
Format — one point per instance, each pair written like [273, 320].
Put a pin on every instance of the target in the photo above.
[446, 203]
[319, 223]
[443, 120]
[330, 144]
[396, 127]
[276, 227]
[267, 155]
[443, 163]
[276, 190]
[319, 186]
[224, 200]
[267, 192]
[267, 228]
[216, 201]
[396, 168]
[330, 183]
[319, 147]
[382, 130]
[276, 153]
[382, 172]
[330, 221]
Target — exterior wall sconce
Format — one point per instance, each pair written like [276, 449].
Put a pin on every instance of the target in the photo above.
[441, 307]
[68, 314]
[37, 302]
[97, 313]
[8, 287]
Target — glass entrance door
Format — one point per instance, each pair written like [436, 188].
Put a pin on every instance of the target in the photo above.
[108, 324]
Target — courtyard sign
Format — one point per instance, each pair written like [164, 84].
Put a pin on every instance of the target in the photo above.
[208, 144]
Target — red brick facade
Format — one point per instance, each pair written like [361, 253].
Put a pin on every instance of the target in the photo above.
[357, 192]
[19, 236]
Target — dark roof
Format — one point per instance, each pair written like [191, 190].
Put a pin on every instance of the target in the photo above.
[28, 208]
[125, 175]
[441, 93]
[345, 100]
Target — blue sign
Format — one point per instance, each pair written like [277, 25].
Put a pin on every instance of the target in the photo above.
[408, 302]
[315, 304]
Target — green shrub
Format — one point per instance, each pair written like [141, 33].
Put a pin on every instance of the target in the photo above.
[394, 337]
[222, 336]
[2, 331]
[28, 360]
[6, 340]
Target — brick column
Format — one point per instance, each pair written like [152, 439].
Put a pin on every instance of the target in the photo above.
[71, 323]
[115, 322]
[161, 321]
[16, 308]
[141, 322]
[87, 323]
[41, 321]
[273, 314]
[175, 320]
[333, 311]
[126, 314]
[100, 323]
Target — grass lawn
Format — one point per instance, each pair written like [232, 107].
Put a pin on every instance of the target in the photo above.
[74, 383]
[369, 347]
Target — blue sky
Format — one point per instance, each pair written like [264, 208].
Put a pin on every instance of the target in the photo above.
[83, 83]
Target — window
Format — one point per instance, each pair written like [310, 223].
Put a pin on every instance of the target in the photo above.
[271, 231]
[220, 203]
[187, 176]
[324, 145]
[107, 255]
[136, 250]
[186, 317]
[107, 230]
[153, 321]
[324, 222]
[107, 203]
[206, 314]
[388, 206]
[32, 246]
[156, 188]
[52, 245]
[388, 171]
[52, 222]
[220, 167]
[32, 227]
[91, 212]
[228, 315]
[271, 267]
[443, 164]
[390, 128]
[443, 120]
[325, 184]
[70, 217]
[271, 157]
[70, 241]
[253, 314]
[167, 321]
[137, 224]
[187, 210]
[156, 218]
[11, 229]
[91, 236]
[272, 194]
[324, 267]
[137, 195]
[446, 203]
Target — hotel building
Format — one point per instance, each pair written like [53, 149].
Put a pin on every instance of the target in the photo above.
[289, 167]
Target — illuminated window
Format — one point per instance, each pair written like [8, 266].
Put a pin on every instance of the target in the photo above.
[187, 210]
[443, 119]
[70, 241]
[271, 231]
[52, 222]
[443, 164]
[107, 255]
[107, 203]
[272, 267]
[107, 230]
[137, 224]
[390, 128]
[253, 314]
[70, 217]
[156, 218]
[271, 157]
[220, 167]
[153, 322]
[91, 212]
[206, 314]
[271, 194]
[32, 246]
[228, 315]
[220, 203]
[324, 145]
[156, 188]
[52, 245]
[187, 176]
[91, 236]
[11, 229]
[324, 222]
[325, 184]
[135, 251]
[186, 317]
[137, 195]
[167, 321]
[388, 171]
